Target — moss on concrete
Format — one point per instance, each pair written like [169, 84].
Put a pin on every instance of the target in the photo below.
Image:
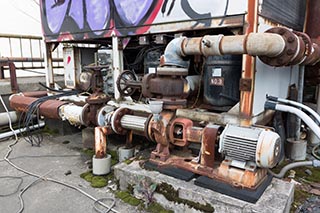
[50, 131]
[128, 161]
[126, 197]
[173, 195]
[88, 152]
[157, 208]
[96, 181]
[299, 198]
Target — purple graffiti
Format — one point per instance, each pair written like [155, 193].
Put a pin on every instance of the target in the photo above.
[98, 13]
[91, 18]
[76, 12]
[132, 12]
[55, 12]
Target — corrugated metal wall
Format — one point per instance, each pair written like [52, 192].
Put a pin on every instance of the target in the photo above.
[290, 13]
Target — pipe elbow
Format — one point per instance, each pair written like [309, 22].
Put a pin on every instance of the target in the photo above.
[173, 55]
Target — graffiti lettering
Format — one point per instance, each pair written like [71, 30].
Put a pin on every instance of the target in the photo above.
[98, 18]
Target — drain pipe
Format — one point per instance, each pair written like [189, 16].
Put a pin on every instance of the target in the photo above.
[17, 131]
[284, 108]
[314, 163]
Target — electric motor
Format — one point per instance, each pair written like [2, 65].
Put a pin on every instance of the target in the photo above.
[253, 144]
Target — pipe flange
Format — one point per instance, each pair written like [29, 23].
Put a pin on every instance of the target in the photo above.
[289, 52]
[300, 55]
[116, 120]
[104, 115]
[147, 129]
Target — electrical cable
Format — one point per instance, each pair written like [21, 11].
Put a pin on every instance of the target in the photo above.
[25, 189]
[25, 13]
[27, 118]
[42, 156]
[18, 187]
[6, 158]
[199, 86]
[103, 199]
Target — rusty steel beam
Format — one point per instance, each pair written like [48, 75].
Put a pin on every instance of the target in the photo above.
[249, 66]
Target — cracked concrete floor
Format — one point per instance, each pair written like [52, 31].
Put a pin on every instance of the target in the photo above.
[53, 158]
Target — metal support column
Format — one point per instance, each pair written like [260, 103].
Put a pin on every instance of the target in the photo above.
[49, 65]
[249, 66]
[117, 61]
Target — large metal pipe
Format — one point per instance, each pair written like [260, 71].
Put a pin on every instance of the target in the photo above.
[276, 42]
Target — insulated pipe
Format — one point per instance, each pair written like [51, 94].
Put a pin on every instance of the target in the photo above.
[278, 46]
[283, 108]
[296, 104]
[133, 122]
[4, 120]
[314, 163]
[255, 44]
[72, 113]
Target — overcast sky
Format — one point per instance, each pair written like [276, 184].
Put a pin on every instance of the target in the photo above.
[20, 17]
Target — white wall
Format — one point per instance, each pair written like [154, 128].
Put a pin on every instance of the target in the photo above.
[271, 80]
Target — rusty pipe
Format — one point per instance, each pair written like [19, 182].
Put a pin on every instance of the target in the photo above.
[272, 44]
[100, 140]
[49, 108]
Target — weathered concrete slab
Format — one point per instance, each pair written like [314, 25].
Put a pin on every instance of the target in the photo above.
[276, 198]
[56, 157]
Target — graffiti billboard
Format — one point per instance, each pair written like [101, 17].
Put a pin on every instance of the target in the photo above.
[85, 19]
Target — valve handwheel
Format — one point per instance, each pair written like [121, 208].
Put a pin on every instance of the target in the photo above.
[127, 83]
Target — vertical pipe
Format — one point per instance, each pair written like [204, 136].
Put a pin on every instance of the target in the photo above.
[31, 51]
[48, 65]
[21, 52]
[249, 63]
[10, 46]
[299, 99]
[13, 78]
[2, 71]
[117, 64]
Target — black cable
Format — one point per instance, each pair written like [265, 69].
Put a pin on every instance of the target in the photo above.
[48, 88]
[28, 118]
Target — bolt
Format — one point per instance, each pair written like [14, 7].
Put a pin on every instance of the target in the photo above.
[290, 39]
[290, 52]
[206, 43]
[281, 31]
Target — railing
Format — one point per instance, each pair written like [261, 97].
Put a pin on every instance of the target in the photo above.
[26, 52]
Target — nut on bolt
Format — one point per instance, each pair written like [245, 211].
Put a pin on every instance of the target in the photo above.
[206, 43]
